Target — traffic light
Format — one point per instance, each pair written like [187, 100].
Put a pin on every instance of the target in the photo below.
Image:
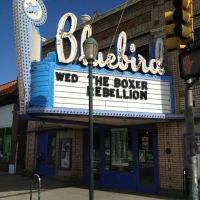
[189, 63]
[179, 28]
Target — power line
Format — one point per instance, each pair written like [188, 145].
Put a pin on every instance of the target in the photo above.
[117, 26]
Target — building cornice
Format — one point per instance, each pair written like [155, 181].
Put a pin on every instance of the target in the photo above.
[108, 13]
[158, 32]
[102, 16]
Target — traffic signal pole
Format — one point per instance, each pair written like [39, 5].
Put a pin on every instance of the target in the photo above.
[191, 154]
[179, 23]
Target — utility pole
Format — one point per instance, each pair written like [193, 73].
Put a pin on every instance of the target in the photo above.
[191, 154]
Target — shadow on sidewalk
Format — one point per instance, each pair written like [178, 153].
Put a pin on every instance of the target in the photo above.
[120, 191]
[12, 185]
[12, 182]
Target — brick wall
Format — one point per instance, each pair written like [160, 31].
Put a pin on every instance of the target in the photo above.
[77, 150]
[77, 153]
[170, 165]
[31, 148]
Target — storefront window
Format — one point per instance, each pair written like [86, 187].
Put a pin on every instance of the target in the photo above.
[145, 146]
[145, 158]
[5, 142]
[65, 157]
[118, 150]
[51, 148]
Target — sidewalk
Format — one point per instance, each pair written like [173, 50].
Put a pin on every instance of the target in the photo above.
[16, 187]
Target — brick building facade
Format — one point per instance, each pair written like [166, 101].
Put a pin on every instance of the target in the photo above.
[143, 22]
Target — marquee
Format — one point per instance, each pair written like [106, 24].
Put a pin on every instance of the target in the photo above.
[123, 82]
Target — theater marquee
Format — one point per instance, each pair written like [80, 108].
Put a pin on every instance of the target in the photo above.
[124, 82]
[111, 92]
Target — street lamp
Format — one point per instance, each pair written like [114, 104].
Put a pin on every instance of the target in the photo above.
[90, 49]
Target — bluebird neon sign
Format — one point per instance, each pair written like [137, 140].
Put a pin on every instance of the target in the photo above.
[122, 59]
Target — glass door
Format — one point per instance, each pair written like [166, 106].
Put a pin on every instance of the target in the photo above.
[146, 161]
[96, 155]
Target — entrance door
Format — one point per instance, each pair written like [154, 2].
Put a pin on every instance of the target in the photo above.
[97, 156]
[146, 160]
[41, 154]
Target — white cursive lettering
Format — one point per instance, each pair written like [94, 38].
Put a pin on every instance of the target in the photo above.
[124, 59]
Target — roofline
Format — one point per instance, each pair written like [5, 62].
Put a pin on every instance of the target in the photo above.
[7, 86]
[8, 82]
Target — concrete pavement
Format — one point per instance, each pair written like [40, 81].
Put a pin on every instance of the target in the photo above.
[16, 187]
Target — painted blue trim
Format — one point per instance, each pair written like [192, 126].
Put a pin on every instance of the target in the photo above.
[38, 30]
[42, 150]
[31, 117]
[119, 180]
[40, 49]
[45, 129]
[155, 188]
[153, 50]
[50, 172]
[52, 86]
[107, 113]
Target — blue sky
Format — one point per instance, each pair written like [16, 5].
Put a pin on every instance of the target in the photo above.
[55, 10]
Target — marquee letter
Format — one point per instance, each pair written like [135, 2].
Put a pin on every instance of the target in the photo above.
[68, 35]
[121, 48]
[157, 55]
